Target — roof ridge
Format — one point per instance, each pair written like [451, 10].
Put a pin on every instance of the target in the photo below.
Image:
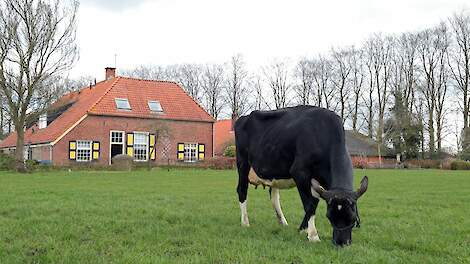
[146, 80]
[105, 93]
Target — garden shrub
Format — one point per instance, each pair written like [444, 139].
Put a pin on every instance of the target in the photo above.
[230, 151]
[423, 163]
[7, 162]
[360, 164]
[460, 165]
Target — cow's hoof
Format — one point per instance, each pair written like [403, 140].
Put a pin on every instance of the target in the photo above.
[246, 224]
[314, 239]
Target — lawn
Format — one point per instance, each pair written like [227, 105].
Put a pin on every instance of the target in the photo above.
[192, 216]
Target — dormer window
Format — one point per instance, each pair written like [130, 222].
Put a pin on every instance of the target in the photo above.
[42, 121]
[155, 106]
[122, 104]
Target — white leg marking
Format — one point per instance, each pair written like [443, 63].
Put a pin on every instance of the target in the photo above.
[312, 233]
[275, 200]
[245, 221]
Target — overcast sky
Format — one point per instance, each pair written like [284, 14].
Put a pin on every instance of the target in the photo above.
[205, 31]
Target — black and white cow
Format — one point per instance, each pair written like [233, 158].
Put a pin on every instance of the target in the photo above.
[301, 146]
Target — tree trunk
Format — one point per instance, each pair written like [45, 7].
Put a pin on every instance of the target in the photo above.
[465, 111]
[19, 152]
[356, 105]
[439, 137]
[431, 134]
[1, 120]
[380, 129]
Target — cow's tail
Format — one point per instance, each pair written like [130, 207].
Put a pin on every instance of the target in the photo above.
[270, 190]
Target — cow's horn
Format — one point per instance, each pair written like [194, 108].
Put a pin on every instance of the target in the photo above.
[319, 189]
[363, 188]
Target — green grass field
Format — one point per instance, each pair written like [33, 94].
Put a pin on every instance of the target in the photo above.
[192, 216]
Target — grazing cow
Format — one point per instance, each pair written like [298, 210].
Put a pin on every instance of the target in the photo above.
[299, 146]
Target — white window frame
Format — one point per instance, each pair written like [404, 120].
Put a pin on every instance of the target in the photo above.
[90, 149]
[146, 145]
[123, 143]
[122, 99]
[156, 102]
[190, 146]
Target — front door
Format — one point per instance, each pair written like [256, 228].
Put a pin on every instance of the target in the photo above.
[116, 143]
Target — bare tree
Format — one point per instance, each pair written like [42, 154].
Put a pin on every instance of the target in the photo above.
[189, 76]
[37, 42]
[460, 60]
[404, 68]
[237, 89]
[277, 75]
[433, 54]
[259, 102]
[147, 72]
[358, 76]
[443, 43]
[304, 87]
[369, 100]
[380, 52]
[342, 70]
[324, 91]
[212, 84]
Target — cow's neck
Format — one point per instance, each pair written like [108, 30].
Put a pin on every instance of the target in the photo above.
[341, 173]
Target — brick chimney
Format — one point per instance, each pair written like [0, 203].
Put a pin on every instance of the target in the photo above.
[234, 119]
[110, 72]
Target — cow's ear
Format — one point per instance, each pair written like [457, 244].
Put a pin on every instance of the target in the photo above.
[320, 190]
[363, 188]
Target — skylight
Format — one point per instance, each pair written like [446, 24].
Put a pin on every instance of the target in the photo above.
[155, 106]
[122, 103]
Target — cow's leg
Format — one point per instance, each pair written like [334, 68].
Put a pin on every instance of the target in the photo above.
[275, 200]
[309, 202]
[242, 189]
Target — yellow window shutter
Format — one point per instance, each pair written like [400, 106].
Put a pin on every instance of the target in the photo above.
[72, 150]
[130, 151]
[152, 153]
[180, 152]
[151, 146]
[201, 151]
[130, 139]
[96, 150]
[130, 144]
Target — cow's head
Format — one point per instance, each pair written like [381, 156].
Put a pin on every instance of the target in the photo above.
[342, 210]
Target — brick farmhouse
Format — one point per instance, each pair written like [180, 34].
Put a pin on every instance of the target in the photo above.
[148, 120]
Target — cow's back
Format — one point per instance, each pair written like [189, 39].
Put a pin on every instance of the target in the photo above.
[272, 140]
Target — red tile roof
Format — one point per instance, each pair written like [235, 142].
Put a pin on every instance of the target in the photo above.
[223, 134]
[99, 100]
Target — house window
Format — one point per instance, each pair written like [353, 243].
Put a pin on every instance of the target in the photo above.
[190, 152]
[122, 103]
[140, 146]
[117, 137]
[155, 106]
[83, 150]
